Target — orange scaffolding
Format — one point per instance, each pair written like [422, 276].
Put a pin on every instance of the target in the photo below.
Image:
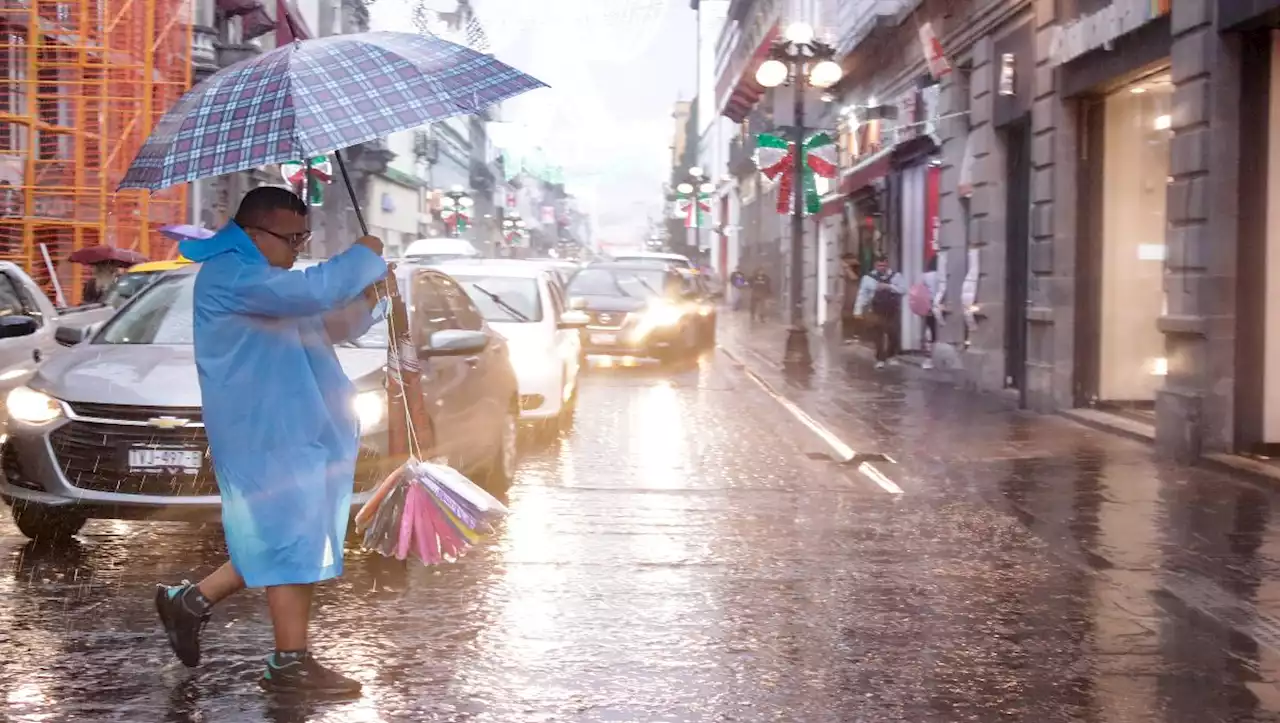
[84, 82]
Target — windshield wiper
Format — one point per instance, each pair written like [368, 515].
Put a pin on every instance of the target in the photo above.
[514, 312]
[646, 285]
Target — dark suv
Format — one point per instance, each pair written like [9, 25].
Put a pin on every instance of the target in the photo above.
[637, 310]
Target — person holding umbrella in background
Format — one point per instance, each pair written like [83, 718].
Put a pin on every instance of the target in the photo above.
[107, 263]
[277, 412]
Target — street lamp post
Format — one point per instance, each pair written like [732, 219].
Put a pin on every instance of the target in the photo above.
[458, 202]
[800, 59]
[695, 191]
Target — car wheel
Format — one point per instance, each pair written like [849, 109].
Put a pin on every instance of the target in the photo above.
[43, 524]
[501, 468]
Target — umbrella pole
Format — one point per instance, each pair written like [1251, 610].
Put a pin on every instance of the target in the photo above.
[351, 191]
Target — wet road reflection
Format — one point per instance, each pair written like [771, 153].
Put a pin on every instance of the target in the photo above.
[680, 557]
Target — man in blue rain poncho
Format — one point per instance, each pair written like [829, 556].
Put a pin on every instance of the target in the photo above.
[280, 421]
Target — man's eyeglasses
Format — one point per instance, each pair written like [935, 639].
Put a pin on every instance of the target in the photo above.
[295, 240]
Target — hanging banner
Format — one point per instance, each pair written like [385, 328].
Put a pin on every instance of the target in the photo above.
[932, 219]
[933, 55]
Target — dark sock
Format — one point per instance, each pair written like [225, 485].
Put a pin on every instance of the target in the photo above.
[287, 657]
[195, 601]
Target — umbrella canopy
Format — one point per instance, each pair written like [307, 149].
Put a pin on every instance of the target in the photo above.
[106, 255]
[315, 96]
[185, 232]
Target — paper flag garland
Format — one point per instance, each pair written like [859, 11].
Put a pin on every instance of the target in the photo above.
[776, 159]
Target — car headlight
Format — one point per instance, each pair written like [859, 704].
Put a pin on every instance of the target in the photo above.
[663, 315]
[371, 408]
[532, 358]
[27, 405]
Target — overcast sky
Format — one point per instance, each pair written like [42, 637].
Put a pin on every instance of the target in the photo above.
[615, 68]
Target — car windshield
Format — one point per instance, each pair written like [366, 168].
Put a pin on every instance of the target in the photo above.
[639, 283]
[127, 285]
[504, 298]
[162, 315]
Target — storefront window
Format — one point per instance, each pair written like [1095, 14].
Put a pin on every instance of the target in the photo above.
[1135, 178]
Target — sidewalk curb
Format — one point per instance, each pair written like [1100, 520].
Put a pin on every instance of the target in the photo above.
[1242, 468]
[1250, 470]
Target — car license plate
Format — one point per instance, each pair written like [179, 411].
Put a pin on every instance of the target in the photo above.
[142, 459]
[604, 339]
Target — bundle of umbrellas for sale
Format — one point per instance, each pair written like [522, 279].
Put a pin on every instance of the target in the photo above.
[428, 512]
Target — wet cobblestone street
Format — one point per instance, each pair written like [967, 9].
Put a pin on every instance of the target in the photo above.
[687, 553]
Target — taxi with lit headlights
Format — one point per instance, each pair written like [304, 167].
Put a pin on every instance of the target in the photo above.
[635, 310]
[112, 427]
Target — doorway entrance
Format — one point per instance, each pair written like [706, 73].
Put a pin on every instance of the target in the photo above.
[1017, 144]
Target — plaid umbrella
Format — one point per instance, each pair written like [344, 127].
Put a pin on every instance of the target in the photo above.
[316, 96]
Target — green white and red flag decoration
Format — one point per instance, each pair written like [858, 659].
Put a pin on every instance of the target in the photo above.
[695, 212]
[453, 218]
[308, 177]
[777, 161]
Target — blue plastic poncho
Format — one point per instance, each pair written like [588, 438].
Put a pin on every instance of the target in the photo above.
[277, 406]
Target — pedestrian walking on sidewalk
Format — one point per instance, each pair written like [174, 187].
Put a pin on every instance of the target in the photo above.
[881, 292]
[737, 287]
[761, 291]
[851, 277]
[926, 300]
[281, 429]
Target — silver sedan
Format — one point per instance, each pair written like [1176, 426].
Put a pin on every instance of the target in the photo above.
[111, 428]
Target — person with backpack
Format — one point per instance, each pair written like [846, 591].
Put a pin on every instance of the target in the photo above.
[924, 300]
[881, 291]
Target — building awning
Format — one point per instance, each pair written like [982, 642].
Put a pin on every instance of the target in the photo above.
[862, 174]
[746, 92]
[867, 171]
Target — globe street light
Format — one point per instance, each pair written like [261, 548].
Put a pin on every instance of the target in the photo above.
[800, 59]
[799, 32]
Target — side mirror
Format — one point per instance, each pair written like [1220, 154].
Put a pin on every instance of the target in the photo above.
[455, 342]
[577, 303]
[17, 325]
[574, 319]
[72, 335]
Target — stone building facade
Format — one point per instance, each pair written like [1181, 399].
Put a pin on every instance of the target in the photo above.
[1107, 246]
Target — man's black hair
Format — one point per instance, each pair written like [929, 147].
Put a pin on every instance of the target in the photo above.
[882, 257]
[265, 199]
